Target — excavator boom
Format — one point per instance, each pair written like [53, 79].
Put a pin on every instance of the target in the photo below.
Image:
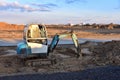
[57, 37]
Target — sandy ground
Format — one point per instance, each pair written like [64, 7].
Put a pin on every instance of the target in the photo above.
[95, 54]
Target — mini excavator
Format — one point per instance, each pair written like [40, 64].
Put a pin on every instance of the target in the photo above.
[35, 41]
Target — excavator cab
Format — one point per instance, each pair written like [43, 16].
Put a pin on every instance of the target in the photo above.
[36, 34]
[34, 40]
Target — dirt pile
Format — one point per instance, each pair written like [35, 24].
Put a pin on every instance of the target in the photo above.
[11, 30]
[97, 54]
[6, 26]
[107, 53]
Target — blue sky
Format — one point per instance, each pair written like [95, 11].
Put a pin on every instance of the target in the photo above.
[60, 11]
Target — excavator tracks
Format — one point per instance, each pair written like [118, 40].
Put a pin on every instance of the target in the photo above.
[34, 62]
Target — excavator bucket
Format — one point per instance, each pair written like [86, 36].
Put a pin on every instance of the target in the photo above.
[77, 45]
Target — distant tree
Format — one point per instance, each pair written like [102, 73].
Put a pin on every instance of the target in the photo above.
[76, 25]
[94, 25]
[87, 24]
[117, 26]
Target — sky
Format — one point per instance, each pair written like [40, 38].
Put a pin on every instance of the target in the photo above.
[60, 11]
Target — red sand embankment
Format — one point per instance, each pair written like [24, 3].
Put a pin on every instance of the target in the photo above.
[6, 26]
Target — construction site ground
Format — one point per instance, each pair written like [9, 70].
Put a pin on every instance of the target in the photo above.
[105, 52]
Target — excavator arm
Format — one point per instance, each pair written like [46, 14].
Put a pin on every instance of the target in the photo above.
[57, 37]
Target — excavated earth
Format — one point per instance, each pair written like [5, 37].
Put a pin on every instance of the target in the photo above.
[95, 54]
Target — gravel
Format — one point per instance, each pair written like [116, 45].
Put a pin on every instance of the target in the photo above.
[101, 73]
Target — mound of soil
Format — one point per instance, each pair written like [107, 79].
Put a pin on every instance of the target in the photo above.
[107, 53]
[101, 54]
